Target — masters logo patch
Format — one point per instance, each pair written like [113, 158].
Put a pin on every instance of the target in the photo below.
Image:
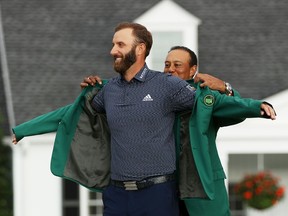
[209, 100]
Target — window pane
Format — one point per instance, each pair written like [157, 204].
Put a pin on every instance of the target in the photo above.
[70, 198]
[95, 204]
[236, 205]
[162, 42]
[71, 190]
[71, 211]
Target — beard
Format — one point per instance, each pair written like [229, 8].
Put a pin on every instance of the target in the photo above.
[125, 63]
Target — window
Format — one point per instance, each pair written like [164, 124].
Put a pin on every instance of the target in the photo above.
[170, 25]
[162, 42]
[243, 164]
[236, 205]
[70, 195]
[95, 204]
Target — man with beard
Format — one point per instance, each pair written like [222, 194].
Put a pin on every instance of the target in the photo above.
[140, 105]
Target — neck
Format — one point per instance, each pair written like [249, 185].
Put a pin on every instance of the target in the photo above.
[133, 70]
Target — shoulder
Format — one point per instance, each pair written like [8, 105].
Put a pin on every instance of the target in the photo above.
[168, 79]
[206, 90]
[207, 97]
[108, 83]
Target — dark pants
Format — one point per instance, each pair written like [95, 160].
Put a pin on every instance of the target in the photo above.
[157, 200]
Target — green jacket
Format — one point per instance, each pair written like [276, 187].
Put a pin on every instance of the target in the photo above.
[198, 160]
[81, 151]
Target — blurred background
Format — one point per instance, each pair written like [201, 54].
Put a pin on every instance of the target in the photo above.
[48, 47]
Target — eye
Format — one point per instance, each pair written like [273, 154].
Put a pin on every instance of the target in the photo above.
[121, 44]
[167, 65]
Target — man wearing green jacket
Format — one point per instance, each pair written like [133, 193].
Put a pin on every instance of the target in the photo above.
[201, 170]
[204, 173]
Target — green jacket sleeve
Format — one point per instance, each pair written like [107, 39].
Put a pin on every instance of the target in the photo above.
[45, 123]
[236, 107]
[229, 110]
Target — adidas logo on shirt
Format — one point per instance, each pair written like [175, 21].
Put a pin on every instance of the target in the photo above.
[147, 98]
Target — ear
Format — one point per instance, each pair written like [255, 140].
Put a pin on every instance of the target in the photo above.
[141, 49]
[193, 70]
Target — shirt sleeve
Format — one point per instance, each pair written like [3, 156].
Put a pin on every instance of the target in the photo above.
[183, 96]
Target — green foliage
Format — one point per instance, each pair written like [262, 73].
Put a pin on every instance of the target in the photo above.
[260, 190]
[6, 195]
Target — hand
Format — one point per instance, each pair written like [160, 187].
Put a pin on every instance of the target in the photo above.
[14, 140]
[90, 80]
[210, 81]
[267, 110]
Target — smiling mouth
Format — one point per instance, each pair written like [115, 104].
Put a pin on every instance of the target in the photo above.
[117, 59]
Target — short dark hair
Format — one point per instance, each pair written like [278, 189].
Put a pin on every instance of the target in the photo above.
[193, 57]
[140, 32]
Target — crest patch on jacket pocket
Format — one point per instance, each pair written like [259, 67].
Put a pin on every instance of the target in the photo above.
[209, 100]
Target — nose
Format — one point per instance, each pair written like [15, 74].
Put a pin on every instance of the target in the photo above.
[171, 69]
[113, 51]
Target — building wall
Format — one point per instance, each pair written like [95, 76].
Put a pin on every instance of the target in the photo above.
[241, 145]
[36, 190]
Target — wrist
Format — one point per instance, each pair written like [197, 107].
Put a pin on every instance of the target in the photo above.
[228, 89]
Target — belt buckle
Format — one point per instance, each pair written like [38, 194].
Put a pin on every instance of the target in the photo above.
[130, 185]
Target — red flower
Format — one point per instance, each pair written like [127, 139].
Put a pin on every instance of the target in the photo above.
[260, 191]
[280, 192]
[247, 195]
[249, 184]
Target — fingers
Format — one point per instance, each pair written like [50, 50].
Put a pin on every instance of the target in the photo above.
[201, 78]
[197, 79]
[83, 85]
[94, 79]
[268, 110]
[90, 80]
[272, 113]
[14, 140]
[210, 81]
[203, 84]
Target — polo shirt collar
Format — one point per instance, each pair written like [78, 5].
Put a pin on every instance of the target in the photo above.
[142, 74]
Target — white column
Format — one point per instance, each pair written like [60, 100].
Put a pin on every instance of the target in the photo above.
[18, 181]
[36, 190]
[84, 201]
